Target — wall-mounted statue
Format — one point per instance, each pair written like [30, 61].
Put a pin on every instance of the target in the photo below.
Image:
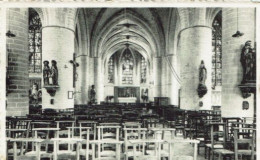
[54, 73]
[145, 95]
[92, 95]
[202, 88]
[34, 94]
[46, 72]
[248, 62]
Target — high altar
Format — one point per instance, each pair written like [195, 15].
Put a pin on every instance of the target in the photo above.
[127, 94]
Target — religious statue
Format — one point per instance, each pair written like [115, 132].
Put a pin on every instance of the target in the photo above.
[145, 95]
[248, 61]
[46, 72]
[128, 92]
[53, 73]
[202, 73]
[202, 88]
[92, 95]
[110, 79]
[34, 94]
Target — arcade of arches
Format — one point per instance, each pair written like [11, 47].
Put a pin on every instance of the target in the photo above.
[129, 55]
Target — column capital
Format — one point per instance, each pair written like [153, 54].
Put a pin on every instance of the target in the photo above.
[56, 26]
[196, 26]
[169, 55]
[59, 17]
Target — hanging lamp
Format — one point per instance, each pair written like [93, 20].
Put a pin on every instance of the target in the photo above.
[9, 34]
[238, 33]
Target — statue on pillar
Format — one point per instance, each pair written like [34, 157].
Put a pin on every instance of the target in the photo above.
[202, 88]
[46, 72]
[248, 62]
[54, 73]
[93, 95]
[145, 95]
[34, 94]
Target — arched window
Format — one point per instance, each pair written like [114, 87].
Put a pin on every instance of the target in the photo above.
[111, 69]
[127, 67]
[143, 70]
[216, 51]
[35, 42]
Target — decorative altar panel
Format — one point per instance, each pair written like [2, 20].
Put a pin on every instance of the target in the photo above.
[127, 94]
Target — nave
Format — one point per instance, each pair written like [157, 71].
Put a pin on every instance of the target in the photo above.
[133, 131]
[130, 83]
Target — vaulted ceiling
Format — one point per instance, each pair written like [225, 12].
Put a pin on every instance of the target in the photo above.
[153, 32]
[150, 31]
[113, 29]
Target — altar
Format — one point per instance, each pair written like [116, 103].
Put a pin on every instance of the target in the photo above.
[127, 94]
[127, 99]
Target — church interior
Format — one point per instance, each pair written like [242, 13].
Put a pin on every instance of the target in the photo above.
[131, 83]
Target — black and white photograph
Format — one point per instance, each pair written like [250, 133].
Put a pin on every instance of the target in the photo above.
[129, 83]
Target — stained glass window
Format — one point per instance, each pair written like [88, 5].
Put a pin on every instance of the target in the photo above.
[127, 67]
[35, 42]
[111, 70]
[143, 70]
[216, 51]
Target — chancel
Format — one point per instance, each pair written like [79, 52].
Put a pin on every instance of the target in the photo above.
[131, 83]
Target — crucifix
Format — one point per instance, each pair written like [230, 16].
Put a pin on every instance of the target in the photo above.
[75, 65]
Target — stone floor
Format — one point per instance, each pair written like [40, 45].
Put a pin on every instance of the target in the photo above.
[186, 149]
[182, 151]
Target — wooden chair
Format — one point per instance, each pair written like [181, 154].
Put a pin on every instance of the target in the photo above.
[82, 133]
[46, 142]
[43, 134]
[130, 134]
[244, 146]
[62, 124]
[108, 133]
[160, 134]
[144, 142]
[26, 140]
[229, 121]
[14, 134]
[180, 123]
[103, 153]
[217, 139]
[66, 152]
[189, 129]
[18, 127]
[92, 125]
[200, 133]
[132, 124]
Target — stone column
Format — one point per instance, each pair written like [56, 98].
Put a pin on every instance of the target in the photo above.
[58, 45]
[157, 76]
[173, 84]
[98, 80]
[194, 46]
[17, 53]
[3, 61]
[231, 67]
[82, 80]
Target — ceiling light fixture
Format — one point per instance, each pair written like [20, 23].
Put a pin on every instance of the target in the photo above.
[238, 33]
[9, 34]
